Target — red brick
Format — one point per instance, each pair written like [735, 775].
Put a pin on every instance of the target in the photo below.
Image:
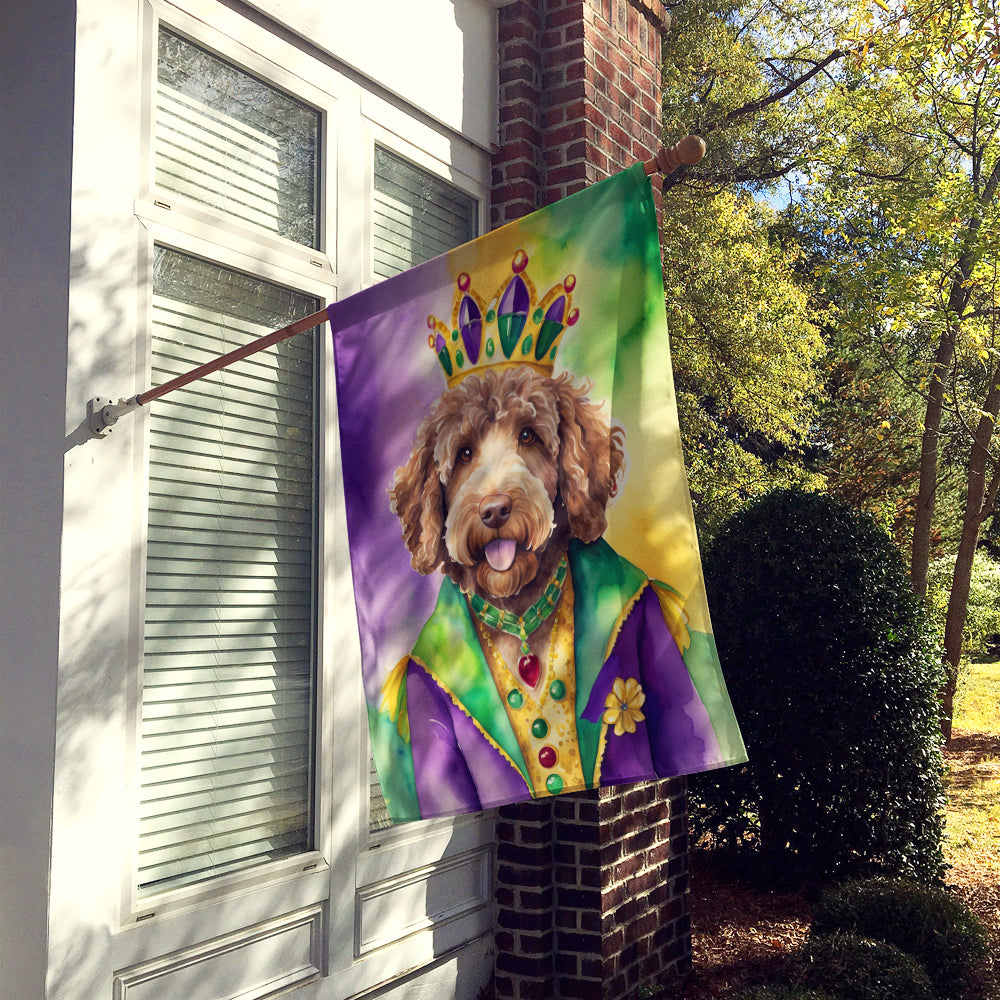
[540, 989]
[521, 91]
[581, 989]
[554, 77]
[536, 944]
[514, 875]
[521, 965]
[564, 54]
[567, 133]
[567, 964]
[518, 49]
[553, 116]
[577, 941]
[535, 900]
[520, 130]
[519, 111]
[521, 920]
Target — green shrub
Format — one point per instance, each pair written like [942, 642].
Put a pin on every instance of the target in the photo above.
[926, 922]
[856, 968]
[833, 673]
[982, 619]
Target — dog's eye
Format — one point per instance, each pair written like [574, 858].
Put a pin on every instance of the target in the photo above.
[527, 436]
[465, 455]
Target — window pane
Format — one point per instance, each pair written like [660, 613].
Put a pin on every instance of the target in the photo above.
[417, 215]
[228, 140]
[228, 659]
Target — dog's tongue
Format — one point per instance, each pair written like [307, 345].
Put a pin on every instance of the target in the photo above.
[500, 553]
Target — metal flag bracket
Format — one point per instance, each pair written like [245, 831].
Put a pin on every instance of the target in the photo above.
[103, 413]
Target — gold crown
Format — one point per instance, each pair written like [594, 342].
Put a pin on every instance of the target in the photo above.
[514, 327]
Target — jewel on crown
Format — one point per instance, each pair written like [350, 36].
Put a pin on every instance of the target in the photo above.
[514, 327]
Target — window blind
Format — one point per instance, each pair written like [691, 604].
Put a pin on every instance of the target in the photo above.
[228, 655]
[415, 216]
[228, 140]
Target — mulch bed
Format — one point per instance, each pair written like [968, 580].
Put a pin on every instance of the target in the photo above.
[742, 934]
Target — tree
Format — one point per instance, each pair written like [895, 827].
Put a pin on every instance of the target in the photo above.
[746, 354]
[911, 188]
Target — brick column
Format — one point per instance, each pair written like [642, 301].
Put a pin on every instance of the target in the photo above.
[591, 889]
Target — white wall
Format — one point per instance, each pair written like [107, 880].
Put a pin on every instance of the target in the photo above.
[434, 55]
[36, 109]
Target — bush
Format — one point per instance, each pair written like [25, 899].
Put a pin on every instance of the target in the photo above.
[982, 620]
[855, 968]
[927, 923]
[834, 674]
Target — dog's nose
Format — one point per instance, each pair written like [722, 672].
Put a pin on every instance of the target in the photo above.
[494, 510]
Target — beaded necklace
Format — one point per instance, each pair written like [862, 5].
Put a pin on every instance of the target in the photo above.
[521, 626]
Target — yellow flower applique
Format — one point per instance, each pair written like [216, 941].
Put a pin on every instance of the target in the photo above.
[623, 707]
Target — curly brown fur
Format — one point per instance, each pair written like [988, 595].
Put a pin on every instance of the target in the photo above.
[537, 443]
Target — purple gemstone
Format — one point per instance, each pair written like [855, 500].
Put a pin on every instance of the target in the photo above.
[515, 297]
[557, 310]
[470, 322]
[440, 344]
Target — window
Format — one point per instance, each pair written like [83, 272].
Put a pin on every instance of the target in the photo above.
[230, 141]
[228, 690]
[252, 805]
[416, 215]
[229, 647]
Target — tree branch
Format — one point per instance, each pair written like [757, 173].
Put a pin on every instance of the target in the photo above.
[754, 106]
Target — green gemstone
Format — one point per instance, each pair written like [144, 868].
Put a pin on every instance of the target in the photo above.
[558, 690]
[454, 334]
[515, 699]
[491, 315]
[539, 729]
[537, 315]
[490, 348]
[554, 784]
[526, 345]
[459, 359]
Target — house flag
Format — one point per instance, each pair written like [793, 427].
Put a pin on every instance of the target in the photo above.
[527, 581]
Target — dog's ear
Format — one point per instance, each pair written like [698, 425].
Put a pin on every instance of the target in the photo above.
[417, 499]
[591, 458]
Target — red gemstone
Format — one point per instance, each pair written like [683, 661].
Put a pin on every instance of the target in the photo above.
[547, 757]
[529, 669]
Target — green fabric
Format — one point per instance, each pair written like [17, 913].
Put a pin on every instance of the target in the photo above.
[702, 662]
[399, 787]
[603, 585]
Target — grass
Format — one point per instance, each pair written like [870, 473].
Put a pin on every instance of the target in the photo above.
[973, 783]
[978, 697]
[972, 848]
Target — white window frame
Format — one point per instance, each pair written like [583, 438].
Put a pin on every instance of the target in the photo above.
[351, 873]
[180, 224]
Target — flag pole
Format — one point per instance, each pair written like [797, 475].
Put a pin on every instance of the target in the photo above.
[103, 413]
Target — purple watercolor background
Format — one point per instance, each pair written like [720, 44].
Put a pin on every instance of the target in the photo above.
[387, 379]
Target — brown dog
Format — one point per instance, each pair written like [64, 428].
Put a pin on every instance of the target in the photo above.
[508, 467]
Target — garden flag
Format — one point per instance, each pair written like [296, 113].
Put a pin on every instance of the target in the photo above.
[527, 581]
